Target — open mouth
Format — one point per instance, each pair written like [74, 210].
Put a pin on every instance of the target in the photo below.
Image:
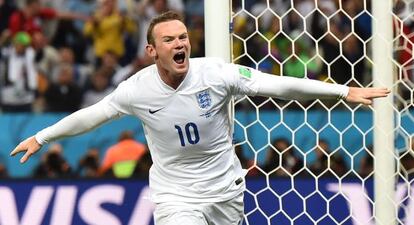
[179, 57]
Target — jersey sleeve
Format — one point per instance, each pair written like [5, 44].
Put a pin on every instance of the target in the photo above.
[119, 100]
[112, 106]
[292, 88]
[241, 80]
[76, 123]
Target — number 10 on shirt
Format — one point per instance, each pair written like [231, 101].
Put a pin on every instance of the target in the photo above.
[192, 137]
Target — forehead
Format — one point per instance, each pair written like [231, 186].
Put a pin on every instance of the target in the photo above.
[169, 28]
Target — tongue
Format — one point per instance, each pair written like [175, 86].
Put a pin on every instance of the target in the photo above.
[179, 61]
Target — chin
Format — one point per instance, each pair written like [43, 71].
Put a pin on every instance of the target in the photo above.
[182, 71]
[182, 68]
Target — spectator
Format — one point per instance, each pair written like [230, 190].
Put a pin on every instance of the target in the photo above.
[32, 16]
[100, 87]
[107, 28]
[81, 71]
[326, 160]
[70, 32]
[194, 8]
[89, 164]
[130, 69]
[367, 164]
[3, 172]
[143, 166]
[176, 5]
[109, 64]
[340, 27]
[281, 159]
[122, 158]
[279, 45]
[407, 160]
[47, 57]
[64, 95]
[110, 60]
[7, 7]
[53, 165]
[301, 65]
[148, 9]
[338, 165]
[18, 75]
[196, 34]
[320, 165]
[84, 7]
[245, 162]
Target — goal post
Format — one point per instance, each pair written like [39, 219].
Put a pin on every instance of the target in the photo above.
[217, 35]
[217, 28]
[383, 76]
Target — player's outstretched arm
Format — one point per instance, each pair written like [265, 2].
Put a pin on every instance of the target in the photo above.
[291, 88]
[365, 95]
[76, 123]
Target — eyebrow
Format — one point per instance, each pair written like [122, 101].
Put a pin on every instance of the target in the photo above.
[169, 36]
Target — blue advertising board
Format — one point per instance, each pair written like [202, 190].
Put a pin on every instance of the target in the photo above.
[300, 201]
[346, 129]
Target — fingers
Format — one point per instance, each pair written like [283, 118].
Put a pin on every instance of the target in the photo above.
[21, 148]
[367, 101]
[371, 93]
[26, 156]
[29, 146]
[17, 150]
[368, 94]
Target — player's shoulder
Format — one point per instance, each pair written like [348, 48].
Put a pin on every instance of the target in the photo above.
[143, 75]
[206, 62]
[207, 67]
[138, 81]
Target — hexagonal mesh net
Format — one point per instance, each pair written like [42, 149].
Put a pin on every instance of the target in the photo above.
[312, 162]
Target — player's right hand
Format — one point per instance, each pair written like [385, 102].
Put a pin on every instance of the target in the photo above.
[29, 146]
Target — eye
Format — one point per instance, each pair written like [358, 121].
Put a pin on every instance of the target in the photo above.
[168, 39]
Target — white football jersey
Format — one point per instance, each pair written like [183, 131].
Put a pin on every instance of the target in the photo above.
[188, 129]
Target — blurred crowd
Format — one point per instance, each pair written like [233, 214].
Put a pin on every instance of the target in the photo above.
[59, 56]
[62, 55]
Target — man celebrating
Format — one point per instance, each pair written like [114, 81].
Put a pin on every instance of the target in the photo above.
[196, 177]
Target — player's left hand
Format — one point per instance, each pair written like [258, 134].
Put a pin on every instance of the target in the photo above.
[29, 146]
[365, 95]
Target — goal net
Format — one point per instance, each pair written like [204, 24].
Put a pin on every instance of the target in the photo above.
[314, 162]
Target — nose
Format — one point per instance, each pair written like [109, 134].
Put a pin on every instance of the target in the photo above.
[178, 43]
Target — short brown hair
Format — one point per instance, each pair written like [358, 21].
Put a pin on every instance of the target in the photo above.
[164, 17]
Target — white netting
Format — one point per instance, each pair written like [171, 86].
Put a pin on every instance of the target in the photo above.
[315, 158]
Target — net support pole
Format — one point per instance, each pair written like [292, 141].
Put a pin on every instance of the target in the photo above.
[217, 36]
[217, 28]
[384, 172]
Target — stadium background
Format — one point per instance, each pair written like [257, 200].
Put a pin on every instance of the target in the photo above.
[268, 35]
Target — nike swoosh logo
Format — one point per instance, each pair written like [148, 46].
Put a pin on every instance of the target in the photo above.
[154, 111]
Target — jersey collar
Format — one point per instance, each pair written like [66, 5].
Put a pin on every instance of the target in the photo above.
[182, 86]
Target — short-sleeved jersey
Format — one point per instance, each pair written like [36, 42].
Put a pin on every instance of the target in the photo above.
[188, 129]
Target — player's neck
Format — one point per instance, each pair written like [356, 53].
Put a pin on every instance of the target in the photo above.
[172, 80]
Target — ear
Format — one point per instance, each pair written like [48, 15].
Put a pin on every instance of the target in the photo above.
[150, 49]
